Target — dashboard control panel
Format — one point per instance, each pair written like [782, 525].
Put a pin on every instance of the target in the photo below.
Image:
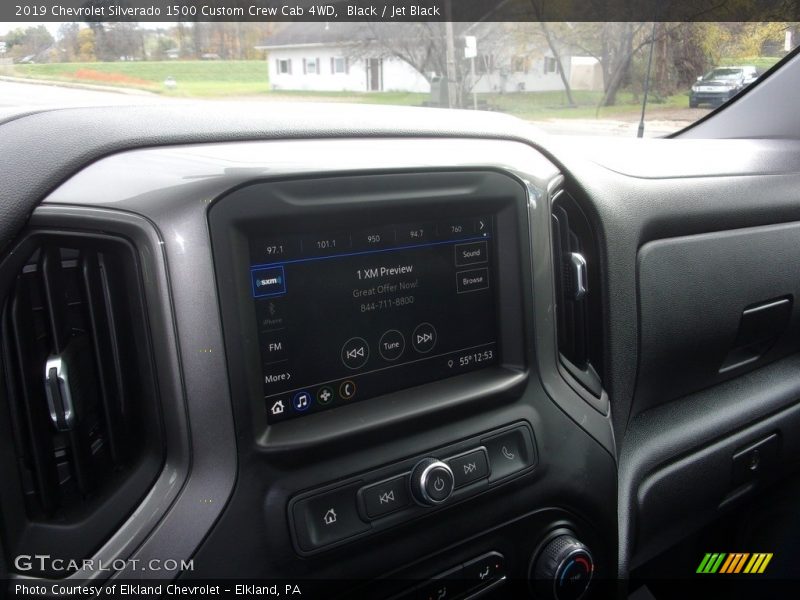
[355, 302]
[470, 579]
[374, 501]
[349, 314]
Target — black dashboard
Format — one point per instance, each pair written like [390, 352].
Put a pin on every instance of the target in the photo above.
[398, 352]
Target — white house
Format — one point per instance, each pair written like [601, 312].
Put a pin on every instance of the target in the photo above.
[319, 57]
[348, 57]
[535, 71]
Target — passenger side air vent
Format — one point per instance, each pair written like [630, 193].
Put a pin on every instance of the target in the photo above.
[578, 309]
[81, 432]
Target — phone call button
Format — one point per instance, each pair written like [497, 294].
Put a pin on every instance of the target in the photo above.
[510, 452]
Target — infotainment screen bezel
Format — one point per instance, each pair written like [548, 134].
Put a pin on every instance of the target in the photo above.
[346, 201]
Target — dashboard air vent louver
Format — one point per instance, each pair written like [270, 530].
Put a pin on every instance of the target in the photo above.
[81, 407]
[578, 310]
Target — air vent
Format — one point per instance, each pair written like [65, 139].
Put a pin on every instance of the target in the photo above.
[578, 309]
[83, 442]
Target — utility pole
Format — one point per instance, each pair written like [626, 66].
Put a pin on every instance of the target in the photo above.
[640, 132]
[470, 52]
[472, 80]
[450, 56]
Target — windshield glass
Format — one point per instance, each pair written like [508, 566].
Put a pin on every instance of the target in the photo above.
[724, 74]
[585, 78]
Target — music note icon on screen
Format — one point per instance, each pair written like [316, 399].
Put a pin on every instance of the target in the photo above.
[301, 401]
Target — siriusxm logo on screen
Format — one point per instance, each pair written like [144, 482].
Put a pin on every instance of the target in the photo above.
[269, 281]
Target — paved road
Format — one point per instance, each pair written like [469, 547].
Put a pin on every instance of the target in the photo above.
[609, 127]
[16, 97]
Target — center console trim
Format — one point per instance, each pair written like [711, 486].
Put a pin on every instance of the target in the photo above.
[527, 462]
[379, 199]
[173, 187]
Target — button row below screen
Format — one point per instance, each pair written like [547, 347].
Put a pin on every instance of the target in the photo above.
[354, 509]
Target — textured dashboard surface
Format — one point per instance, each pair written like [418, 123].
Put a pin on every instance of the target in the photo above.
[43, 149]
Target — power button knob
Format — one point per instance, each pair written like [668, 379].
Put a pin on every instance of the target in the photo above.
[431, 482]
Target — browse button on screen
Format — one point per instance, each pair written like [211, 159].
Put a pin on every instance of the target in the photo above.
[472, 280]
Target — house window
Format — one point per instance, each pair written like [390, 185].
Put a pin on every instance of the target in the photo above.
[284, 66]
[339, 65]
[311, 66]
[484, 63]
[519, 64]
[550, 65]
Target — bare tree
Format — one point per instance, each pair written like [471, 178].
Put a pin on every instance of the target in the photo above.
[554, 49]
[614, 45]
[68, 41]
[424, 47]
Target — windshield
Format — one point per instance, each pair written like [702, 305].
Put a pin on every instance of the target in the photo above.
[724, 74]
[567, 78]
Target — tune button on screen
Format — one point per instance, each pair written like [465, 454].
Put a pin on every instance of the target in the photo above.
[392, 345]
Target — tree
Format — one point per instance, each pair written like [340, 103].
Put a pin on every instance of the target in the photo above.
[555, 49]
[115, 41]
[615, 46]
[32, 41]
[15, 39]
[424, 46]
[86, 49]
[68, 41]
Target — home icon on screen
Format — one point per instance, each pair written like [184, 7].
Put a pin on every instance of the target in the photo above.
[277, 408]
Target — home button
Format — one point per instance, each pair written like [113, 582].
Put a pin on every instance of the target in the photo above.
[327, 518]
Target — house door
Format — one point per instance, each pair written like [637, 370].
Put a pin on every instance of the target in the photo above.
[374, 74]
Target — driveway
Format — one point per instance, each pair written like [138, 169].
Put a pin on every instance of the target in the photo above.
[658, 123]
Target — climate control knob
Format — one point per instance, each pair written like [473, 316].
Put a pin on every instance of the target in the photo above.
[431, 482]
[563, 569]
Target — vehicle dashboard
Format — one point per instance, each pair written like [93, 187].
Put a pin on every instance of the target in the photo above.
[602, 423]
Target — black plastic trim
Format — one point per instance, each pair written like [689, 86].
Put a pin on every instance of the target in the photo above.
[414, 511]
[374, 199]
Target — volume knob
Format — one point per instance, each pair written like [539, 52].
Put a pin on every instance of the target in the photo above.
[431, 482]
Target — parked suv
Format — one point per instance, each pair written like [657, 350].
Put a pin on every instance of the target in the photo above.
[721, 84]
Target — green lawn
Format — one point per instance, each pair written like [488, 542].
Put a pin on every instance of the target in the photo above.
[544, 105]
[193, 77]
[396, 98]
[762, 63]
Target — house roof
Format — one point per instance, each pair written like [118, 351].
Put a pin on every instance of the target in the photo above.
[318, 34]
[295, 34]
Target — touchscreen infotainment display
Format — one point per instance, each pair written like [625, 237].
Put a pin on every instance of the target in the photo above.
[347, 315]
